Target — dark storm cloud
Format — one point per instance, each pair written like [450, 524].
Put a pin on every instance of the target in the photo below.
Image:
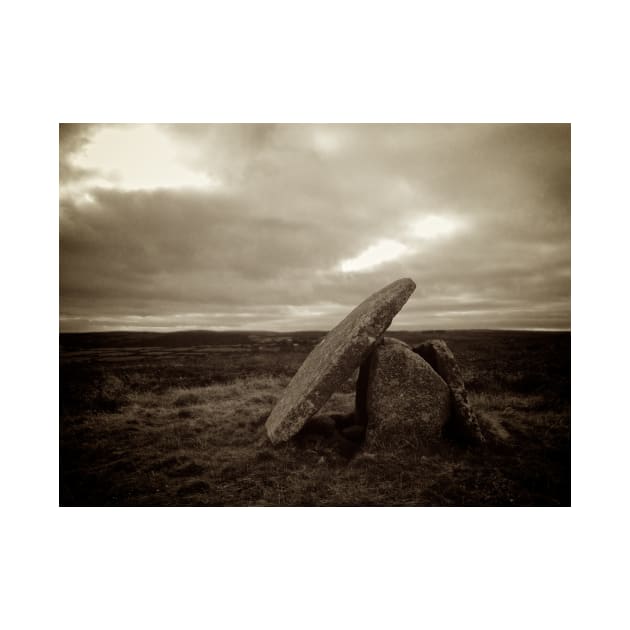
[262, 248]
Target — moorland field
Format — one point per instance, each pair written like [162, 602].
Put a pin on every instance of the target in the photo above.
[177, 419]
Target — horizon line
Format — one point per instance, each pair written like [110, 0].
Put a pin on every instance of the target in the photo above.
[309, 330]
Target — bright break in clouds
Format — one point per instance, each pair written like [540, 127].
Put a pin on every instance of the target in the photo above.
[288, 227]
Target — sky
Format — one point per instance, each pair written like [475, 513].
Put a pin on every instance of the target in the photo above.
[289, 227]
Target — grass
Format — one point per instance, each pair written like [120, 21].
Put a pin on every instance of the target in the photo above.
[184, 425]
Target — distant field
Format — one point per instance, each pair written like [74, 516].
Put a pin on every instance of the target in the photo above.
[178, 419]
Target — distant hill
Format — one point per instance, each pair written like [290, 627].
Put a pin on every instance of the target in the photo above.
[187, 338]
[126, 339]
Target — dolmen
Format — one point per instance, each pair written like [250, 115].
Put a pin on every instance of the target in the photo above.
[414, 394]
[335, 358]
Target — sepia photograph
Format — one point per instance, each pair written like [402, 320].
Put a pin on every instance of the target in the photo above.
[315, 314]
[345, 279]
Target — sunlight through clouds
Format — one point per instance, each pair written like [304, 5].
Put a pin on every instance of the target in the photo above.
[428, 228]
[432, 227]
[133, 158]
[381, 252]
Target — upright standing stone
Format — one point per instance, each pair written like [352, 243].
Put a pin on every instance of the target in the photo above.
[405, 399]
[334, 359]
[463, 424]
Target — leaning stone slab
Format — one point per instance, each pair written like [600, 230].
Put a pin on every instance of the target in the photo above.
[406, 401]
[334, 359]
[463, 423]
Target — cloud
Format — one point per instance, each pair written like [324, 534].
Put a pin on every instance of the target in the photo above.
[480, 213]
[72, 138]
